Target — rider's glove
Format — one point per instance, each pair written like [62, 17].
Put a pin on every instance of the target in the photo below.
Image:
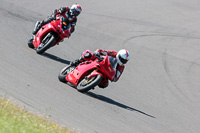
[55, 11]
[62, 10]
[53, 17]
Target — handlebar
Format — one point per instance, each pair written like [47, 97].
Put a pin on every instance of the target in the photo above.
[99, 57]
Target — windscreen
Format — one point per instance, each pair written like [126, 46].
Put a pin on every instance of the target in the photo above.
[113, 62]
[65, 24]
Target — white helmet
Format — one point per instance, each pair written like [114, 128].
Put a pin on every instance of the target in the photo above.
[122, 57]
[75, 9]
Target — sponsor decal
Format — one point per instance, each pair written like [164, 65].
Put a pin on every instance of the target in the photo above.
[64, 23]
[110, 68]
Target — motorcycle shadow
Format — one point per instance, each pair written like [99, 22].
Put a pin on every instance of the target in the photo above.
[110, 101]
[56, 58]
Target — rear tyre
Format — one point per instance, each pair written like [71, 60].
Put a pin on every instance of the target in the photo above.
[87, 84]
[62, 75]
[47, 42]
[30, 43]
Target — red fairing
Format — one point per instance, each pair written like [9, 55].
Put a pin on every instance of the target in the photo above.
[55, 27]
[112, 53]
[119, 69]
[107, 69]
[91, 68]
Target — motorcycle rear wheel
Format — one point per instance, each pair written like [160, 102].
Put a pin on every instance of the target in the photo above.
[47, 42]
[64, 73]
[30, 43]
[87, 84]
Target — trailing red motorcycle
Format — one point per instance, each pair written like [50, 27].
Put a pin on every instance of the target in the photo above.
[50, 34]
[89, 74]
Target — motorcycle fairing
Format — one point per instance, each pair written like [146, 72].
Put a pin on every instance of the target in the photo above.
[54, 26]
[43, 31]
[79, 72]
[83, 69]
[108, 70]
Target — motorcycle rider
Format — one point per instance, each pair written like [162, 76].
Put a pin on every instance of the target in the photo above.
[122, 58]
[70, 13]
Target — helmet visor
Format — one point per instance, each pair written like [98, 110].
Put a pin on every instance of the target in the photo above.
[124, 61]
[76, 13]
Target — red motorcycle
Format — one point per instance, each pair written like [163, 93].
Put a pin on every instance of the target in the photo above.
[89, 73]
[50, 34]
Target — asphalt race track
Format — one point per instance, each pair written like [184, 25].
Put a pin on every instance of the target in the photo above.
[159, 91]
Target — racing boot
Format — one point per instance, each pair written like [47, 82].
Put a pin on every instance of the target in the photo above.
[38, 25]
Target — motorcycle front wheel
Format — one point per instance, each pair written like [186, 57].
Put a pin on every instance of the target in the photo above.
[87, 84]
[47, 42]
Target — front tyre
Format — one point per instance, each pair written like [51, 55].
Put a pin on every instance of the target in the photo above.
[87, 84]
[47, 42]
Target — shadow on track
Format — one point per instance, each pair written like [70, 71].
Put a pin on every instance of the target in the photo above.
[56, 58]
[110, 101]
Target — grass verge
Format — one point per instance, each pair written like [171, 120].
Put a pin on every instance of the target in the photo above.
[14, 119]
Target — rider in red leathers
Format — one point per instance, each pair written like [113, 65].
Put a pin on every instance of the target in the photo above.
[70, 13]
[122, 58]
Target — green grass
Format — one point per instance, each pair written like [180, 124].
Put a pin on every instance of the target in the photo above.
[14, 119]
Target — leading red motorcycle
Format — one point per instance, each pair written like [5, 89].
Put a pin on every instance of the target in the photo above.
[50, 34]
[89, 74]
